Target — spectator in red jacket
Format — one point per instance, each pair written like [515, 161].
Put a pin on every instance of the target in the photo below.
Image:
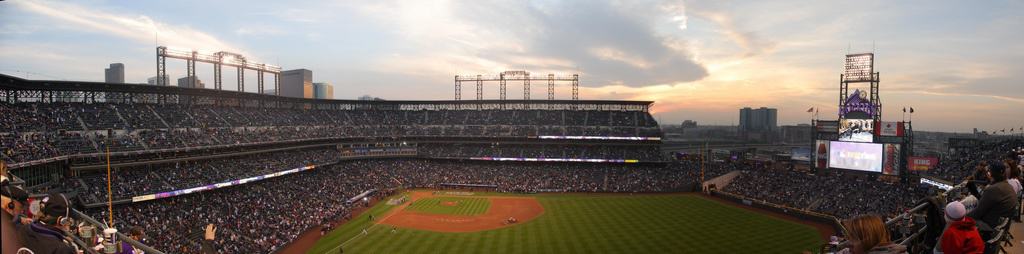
[961, 236]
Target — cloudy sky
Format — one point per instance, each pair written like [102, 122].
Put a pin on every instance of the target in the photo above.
[958, 63]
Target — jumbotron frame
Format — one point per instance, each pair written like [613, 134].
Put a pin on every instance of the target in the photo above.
[859, 68]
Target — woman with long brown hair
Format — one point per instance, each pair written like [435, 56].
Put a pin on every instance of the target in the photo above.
[867, 234]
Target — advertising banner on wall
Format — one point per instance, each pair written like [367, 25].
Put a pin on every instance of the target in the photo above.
[890, 129]
[891, 164]
[828, 126]
[918, 163]
[821, 153]
[801, 154]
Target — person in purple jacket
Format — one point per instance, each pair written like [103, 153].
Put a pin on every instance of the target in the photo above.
[135, 233]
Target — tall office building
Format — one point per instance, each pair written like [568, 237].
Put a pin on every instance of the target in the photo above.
[183, 82]
[297, 83]
[745, 119]
[323, 91]
[153, 81]
[114, 73]
[771, 119]
[761, 119]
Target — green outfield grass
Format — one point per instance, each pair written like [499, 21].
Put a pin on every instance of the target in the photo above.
[577, 223]
[462, 206]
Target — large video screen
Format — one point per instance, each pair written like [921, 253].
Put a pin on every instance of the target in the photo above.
[855, 156]
[856, 130]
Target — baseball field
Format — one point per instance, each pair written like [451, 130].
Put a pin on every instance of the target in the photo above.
[460, 222]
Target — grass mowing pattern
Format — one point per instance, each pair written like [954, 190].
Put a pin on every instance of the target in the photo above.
[463, 206]
[575, 223]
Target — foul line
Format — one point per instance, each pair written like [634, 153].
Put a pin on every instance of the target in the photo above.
[369, 229]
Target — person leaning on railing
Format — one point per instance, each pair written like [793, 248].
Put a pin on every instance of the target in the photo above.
[49, 234]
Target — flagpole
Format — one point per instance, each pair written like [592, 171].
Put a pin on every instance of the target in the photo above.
[811, 115]
[110, 195]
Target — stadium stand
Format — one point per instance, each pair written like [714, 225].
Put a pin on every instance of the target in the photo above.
[161, 147]
[55, 129]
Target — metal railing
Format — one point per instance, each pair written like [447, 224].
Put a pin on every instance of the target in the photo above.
[83, 217]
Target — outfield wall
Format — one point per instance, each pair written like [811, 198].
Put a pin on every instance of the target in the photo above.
[796, 213]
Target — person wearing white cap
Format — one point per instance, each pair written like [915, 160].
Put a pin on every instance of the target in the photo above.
[961, 236]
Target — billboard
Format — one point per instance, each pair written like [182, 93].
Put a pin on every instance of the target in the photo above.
[197, 189]
[828, 126]
[859, 67]
[937, 183]
[856, 130]
[821, 153]
[800, 154]
[890, 129]
[891, 164]
[921, 163]
[855, 156]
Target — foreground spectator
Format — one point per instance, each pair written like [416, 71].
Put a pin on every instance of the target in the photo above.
[208, 236]
[867, 235]
[135, 233]
[49, 233]
[998, 200]
[961, 236]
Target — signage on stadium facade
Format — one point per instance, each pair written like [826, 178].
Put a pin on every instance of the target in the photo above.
[827, 126]
[857, 103]
[891, 161]
[889, 128]
[554, 159]
[217, 185]
[599, 138]
[918, 163]
[938, 184]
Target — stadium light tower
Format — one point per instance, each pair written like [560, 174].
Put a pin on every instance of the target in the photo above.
[219, 59]
[524, 76]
